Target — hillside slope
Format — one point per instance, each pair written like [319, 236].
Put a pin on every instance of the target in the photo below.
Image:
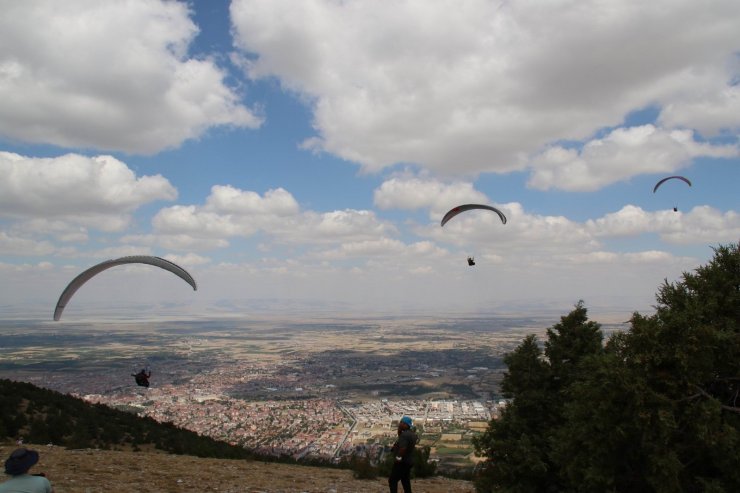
[104, 471]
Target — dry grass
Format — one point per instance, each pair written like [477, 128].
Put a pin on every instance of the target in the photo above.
[102, 471]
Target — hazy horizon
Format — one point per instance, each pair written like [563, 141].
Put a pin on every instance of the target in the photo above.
[299, 156]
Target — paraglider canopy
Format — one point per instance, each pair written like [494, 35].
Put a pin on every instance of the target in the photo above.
[466, 207]
[85, 276]
[660, 182]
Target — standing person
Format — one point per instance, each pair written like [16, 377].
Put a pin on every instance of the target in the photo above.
[403, 452]
[17, 466]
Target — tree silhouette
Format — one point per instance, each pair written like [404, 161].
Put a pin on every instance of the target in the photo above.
[655, 410]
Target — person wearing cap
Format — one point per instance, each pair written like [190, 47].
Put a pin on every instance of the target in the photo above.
[17, 466]
[403, 451]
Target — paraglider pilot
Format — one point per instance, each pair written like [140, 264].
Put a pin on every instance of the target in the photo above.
[142, 378]
[471, 261]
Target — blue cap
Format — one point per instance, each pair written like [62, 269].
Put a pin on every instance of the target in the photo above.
[406, 420]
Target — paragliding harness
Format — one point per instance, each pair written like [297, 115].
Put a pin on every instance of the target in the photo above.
[471, 261]
[142, 378]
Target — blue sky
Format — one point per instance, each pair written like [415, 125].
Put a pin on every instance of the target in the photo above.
[304, 152]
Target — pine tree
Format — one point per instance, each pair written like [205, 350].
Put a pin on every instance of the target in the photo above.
[659, 412]
[518, 445]
[657, 409]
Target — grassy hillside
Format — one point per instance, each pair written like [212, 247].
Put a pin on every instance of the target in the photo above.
[90, 448]
[151, 471]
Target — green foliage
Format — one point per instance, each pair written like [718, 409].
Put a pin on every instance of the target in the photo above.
[518, 445]
[655, 410]
[569, 342]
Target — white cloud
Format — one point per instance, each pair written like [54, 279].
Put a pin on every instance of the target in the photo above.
[333, 227]
[191, 220]
[346, 223]
[368, 248]
[707, 104]
[59, 229]
[187, 259]
[227, 199]
[387, 248]
[14, 245]
[177, 242]
[230, 212]
[700, 225]
[108, 75]
[522, 232]
[114, 252]
[652, 257]
[417, 193]
[503, 81]
[629, 220]
[704, 224]
[99, 192]
[624, 153]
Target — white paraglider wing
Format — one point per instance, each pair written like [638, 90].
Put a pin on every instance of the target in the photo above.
[85, 276]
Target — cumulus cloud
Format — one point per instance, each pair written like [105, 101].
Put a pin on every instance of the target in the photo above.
[15, 245]
[177, 242]
[227, 199]
[506, 80]
[109, 75]
[630, 220]
[187, 259]
[59, 229]
[191, 220]
[701, 224]
[99, 192]
[541, 238]
[388, 248]
[623, 153]
[707, 104]
[40, 267]
[523, 231]
[230, 212]
[344, 224]
[705, 224]
[416, 193]
[652, 257]
[367, 248]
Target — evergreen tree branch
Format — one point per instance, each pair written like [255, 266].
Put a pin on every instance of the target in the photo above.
[710, 396]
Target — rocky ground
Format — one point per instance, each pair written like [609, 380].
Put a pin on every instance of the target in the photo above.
[102, 471]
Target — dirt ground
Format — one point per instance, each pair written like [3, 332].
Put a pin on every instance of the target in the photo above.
[103, 471]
